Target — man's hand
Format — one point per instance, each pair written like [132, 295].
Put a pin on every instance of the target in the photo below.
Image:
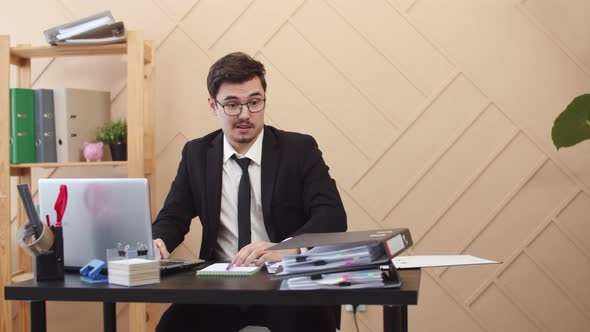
[159, 244]
[257, 251]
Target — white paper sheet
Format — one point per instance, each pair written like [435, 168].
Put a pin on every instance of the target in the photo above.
[409, 262]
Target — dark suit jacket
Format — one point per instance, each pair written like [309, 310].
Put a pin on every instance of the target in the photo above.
[298, 194]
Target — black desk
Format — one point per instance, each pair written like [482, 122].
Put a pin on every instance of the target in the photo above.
[186, 288]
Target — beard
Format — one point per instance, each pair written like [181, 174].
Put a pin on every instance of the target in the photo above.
[246, 137]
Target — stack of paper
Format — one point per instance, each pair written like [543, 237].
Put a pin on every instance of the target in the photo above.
[96, 29]
[226, 270]
[134, 272]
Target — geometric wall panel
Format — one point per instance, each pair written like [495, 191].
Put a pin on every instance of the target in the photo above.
[433, 115]
[542, 298]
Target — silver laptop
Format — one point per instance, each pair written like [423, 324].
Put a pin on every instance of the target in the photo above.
[102, 214]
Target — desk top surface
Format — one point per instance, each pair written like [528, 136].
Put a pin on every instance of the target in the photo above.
[185, 287]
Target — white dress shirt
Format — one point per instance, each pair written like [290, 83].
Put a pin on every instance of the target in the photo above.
[227, 238]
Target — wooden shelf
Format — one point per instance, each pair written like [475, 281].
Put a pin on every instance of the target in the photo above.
[17, 169]
[28, 52]
[140, 161]
[22, 276]
[70, 164]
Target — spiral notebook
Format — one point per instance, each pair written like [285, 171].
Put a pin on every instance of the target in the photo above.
[220, 269]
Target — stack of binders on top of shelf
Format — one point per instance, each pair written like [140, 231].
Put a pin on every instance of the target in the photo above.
[100, 28]
[350, 259]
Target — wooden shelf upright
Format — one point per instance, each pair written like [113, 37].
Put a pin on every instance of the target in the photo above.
[140, 145]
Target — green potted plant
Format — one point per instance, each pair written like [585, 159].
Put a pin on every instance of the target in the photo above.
[115, 135]
[572, 126]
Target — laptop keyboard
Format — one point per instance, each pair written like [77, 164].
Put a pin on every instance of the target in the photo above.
[168, 263]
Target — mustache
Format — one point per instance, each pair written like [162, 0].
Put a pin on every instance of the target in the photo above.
[248, 123]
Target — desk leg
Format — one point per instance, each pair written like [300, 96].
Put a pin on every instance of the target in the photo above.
[109, 316]
[395, 318]
[38, 321]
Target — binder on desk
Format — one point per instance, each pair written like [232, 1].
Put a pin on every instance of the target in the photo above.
[78, 116]
[338, 252]
[22, 126]
[386, 277]
[393, 241]
[45, 151]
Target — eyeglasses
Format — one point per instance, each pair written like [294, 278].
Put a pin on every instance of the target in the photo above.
[234, 108]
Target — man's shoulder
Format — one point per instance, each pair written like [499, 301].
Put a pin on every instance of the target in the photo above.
[289, 137]
[204, 141]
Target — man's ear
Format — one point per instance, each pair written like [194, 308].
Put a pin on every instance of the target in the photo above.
[212, 105]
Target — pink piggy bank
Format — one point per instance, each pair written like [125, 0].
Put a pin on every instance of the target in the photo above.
[93, 151]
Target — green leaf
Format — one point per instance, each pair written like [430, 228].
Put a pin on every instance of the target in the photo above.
[572, 126]
[113, 133]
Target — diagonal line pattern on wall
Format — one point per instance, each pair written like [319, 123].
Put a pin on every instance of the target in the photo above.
[571, 236]
[526, 13]
[437, 157]
[403, 8]
[468, 185]
[393, 123]
[319, 110]
[556, 283]
[452, 295]
[493, 277]
[231, 24]
[444, 86]
[522, 309]
[489, 219]
[401, 72]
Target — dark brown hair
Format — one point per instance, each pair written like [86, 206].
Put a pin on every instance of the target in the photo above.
[235, 67]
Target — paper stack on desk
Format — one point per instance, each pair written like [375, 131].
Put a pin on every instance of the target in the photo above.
[134, 272]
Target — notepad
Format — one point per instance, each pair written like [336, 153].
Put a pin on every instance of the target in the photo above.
[220, 269]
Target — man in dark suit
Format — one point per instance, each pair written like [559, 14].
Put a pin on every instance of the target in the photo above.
[251, 186]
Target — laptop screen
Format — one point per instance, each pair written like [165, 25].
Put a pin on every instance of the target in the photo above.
[100, 214]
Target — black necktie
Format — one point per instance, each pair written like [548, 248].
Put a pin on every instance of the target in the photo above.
[243, 203]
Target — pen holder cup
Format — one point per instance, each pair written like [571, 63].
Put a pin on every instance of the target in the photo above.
[50, 265]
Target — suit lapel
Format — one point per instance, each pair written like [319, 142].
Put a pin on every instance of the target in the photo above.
[213, 175]
[270, 162]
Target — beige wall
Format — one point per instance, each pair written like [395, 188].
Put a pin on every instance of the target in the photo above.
[433, 115]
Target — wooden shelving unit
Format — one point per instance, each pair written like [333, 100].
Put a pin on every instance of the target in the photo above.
[140, 145]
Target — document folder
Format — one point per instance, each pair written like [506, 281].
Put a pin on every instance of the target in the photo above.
[73, 29]
[386, 277]
[339, 252]
[394, 240]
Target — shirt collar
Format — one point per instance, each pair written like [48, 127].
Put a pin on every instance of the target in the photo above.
[255, 152]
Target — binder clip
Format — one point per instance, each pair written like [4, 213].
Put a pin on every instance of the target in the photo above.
[91, 272]
[128, 251]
